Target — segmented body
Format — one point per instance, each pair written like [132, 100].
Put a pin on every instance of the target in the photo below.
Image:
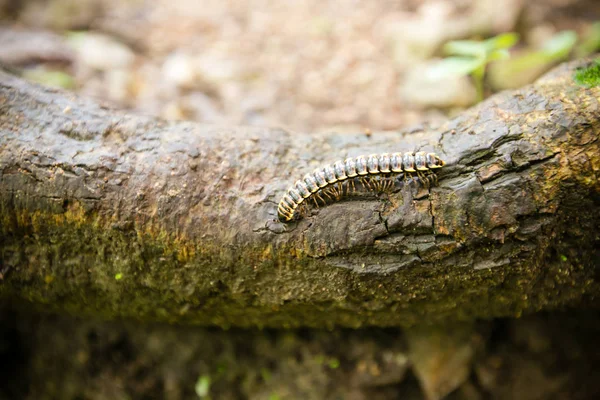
[327, 181]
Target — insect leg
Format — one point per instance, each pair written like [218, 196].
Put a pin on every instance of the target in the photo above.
[314, 199]
[379, 183]
[318, 196]
[345, 188]
[434, 177]
[389, 184]
[422, 178]
[327, 193]
[334, 192]
[366, 184]
[340, 190]
[351, 186]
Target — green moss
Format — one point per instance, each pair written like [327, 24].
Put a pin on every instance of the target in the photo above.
[589, 76]
[72, 262]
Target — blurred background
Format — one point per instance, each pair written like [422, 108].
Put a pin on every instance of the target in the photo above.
[306, 66]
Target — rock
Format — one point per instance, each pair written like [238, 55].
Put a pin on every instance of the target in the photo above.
[20, 47]
[60, 15]
[200, 107]
[178, 69]
[442, 356]
[427, 90]
[118, 84]
[378, 367]
[215, 67]
[101, 52]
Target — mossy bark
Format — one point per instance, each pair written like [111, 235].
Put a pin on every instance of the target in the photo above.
[116, 215]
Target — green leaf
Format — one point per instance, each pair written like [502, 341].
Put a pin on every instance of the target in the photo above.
[481, 49]
[202, 386]
[454, 66]
[119, 276]
[502, 41]
[560, 45]
[465, 48]
[501, 54]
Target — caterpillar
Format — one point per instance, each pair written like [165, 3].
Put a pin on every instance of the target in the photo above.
[327, 181]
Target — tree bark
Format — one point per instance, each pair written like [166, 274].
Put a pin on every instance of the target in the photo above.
[105, 213]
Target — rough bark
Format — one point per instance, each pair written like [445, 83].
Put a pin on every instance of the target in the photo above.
[110, 214]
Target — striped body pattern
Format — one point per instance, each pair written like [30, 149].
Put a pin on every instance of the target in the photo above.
[327, 181]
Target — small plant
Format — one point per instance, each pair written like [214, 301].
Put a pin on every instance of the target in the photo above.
[557, 48]
[202, 387]
[469, 57]
[589, 76]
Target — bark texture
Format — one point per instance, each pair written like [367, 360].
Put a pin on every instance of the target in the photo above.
[105, 213]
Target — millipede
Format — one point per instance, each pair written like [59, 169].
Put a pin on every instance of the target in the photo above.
[376, 172]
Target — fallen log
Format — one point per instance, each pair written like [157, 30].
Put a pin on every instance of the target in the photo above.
[114, 215]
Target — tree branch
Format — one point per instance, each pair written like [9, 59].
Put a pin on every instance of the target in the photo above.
[110, 214]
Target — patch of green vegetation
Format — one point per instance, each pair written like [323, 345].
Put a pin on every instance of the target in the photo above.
[557, 48]
[265, 374]
[202, 387]
[469, 57]
[589, 76]
[221, 369]
[333, 363]
[119, 276]
[47, 77]
[473, 58]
